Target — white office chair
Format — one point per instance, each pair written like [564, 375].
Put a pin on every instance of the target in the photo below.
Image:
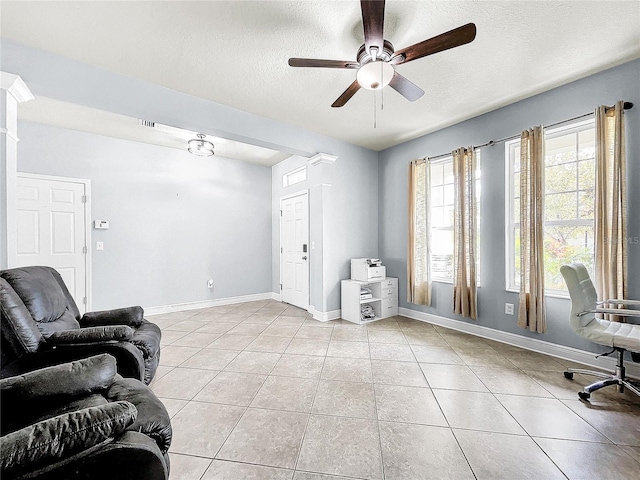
[619, 336]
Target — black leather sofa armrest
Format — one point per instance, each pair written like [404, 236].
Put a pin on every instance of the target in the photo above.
[153, 419]
[131, 316]
[62, 436]
[117, 333]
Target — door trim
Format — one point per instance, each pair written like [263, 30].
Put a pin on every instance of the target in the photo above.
[88, 282]
[286, 197]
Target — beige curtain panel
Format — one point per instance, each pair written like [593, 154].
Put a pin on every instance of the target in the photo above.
[418, 252]
[610, 205]
[464, 233]
[531, 308]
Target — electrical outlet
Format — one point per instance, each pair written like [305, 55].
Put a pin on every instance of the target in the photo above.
[99, 245]
[508, 308]
[210, 283]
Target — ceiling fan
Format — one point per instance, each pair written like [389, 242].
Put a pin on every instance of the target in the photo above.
[376, 58]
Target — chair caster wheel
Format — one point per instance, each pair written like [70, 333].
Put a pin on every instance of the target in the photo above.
[568, 375]
[584, 395]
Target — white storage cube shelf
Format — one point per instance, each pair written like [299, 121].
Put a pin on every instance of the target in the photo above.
[384, 299]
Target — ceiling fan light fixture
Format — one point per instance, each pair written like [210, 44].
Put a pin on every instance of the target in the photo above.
[375, 75]
[201, 147]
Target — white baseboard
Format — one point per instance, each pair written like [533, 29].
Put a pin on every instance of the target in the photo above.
[177, 307]
[323, 316]
[533, 344]
[276, 296]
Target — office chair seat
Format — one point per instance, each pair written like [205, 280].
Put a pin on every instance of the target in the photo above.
[613, 334]
[620, 336]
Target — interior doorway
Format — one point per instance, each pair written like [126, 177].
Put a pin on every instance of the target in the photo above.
[52, 221]
[294, 249]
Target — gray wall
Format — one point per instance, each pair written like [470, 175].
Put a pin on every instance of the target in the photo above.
[176, 220]
[620, 83]
[350, 212]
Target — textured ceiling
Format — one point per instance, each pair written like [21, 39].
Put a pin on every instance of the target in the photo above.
[86, 119]
[235, 53]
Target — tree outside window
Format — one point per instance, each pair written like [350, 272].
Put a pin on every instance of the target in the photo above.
[569, 203]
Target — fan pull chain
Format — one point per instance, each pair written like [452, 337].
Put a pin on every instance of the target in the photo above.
[375, 122]
[382, 89]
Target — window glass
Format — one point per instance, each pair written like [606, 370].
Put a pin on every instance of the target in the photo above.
[569, 203]
[295, 176]
[441, 219]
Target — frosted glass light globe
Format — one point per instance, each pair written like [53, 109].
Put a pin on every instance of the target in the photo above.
[375, 75]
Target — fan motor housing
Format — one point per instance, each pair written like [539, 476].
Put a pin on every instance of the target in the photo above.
[364, 57]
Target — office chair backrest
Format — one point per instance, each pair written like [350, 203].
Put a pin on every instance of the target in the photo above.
[583, 296]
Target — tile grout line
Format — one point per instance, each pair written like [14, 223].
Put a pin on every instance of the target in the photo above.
[313, 402]
[375, 406]
[237, 422]
[512, 416]
[248, 406]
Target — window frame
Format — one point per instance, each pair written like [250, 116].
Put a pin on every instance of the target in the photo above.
[512, 225]
[435, 163]
[292, 177]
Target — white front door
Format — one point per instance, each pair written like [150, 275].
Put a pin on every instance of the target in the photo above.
[294, 241]
[51, 225]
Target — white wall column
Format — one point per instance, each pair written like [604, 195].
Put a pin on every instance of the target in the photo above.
[322, 163]
[12, 91]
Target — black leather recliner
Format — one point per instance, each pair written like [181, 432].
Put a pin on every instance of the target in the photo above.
[81, 420]
[41, 326]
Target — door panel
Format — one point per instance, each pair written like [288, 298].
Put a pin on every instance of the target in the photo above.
[295, 261]
[28, 222]
[51, 230]
[62, 235]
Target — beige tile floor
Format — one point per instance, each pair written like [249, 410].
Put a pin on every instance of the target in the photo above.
[261, 391]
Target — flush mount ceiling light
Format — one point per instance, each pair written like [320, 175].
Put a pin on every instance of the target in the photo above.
[201, 147]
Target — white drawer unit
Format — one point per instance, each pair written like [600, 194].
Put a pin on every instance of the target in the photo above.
[383, 301]
[388, 292]
[390, 282]
[389, 307]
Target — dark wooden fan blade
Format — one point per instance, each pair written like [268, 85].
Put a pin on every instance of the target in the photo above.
[452, 38]
[406, 88]
[373, 21]
[346, 96]
[314, 62]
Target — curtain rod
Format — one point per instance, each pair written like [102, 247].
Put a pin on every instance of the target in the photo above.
[491, 143]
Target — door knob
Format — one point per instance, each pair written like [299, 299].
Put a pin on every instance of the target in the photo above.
[304, 258]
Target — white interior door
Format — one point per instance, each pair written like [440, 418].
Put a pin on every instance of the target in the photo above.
[294, 241]
[51, 225]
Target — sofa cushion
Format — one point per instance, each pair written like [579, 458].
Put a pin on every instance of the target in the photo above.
[64, 435]
[44, 297]
[68, 379]
[18, 327]
[24, 396]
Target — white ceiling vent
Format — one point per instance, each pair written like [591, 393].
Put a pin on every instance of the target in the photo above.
[146, 123]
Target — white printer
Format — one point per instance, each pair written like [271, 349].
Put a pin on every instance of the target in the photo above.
[366, 269]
